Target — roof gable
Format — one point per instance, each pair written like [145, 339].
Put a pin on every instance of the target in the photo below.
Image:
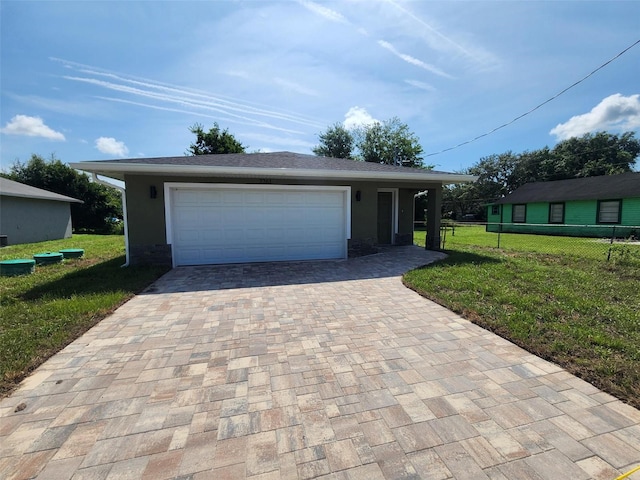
[624, 185]
[9, 188]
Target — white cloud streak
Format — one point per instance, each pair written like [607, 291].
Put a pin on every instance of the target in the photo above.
[111, 146]
[192, 102]
[30, 127]
[412, 60]
[444, 43]
[324, 12]
[421, 85]
[289, 85]
[615, 112]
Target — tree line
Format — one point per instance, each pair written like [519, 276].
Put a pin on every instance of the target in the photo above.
[593, 154]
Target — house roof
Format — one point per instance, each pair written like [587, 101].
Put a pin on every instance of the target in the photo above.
[9, 188]
[267, 165]
[602, 187]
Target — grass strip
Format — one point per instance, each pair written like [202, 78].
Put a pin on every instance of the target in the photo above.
[580, 313]
[43, 312]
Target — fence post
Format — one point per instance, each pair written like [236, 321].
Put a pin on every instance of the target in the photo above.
[613, 236]
[499, 231]
[443, 236]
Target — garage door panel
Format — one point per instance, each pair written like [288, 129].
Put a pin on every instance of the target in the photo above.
[235, 225]
[254, 198]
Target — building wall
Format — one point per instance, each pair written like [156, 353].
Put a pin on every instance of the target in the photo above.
[631, 211]
[577, 214]
[28, 220]
[146, 215]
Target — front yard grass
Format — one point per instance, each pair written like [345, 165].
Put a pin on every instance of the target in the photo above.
[579, 312]
[43, 312]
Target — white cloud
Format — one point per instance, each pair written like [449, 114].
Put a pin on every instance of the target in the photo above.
[111, 146]
[412, 60]
[445, 42]
[323, 11]
[295, 87]
[616, 112]
[31, 127]
[421, 85]
[358, 116]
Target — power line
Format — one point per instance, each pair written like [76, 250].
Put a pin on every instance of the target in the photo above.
[537, 106]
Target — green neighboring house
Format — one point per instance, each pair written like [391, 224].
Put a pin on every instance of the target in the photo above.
[582, 207]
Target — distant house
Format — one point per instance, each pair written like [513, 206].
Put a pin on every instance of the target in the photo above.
[585, 207]
[29, 214]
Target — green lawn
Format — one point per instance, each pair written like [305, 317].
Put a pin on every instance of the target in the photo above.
[577, 311]
[43, 312]
[463, 235]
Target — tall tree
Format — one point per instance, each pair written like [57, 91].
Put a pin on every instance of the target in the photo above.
[601, 153]
[390, 142]
[101, 205]
[337, 142]
[214, 141]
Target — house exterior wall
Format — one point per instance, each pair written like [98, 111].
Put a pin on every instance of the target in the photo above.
[29, 220]
[577, 215]
[146, 216]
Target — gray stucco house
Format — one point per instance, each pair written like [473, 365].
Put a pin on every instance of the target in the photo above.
[237, 208]
[29, 214]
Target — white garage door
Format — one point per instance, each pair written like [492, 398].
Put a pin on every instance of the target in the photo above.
[214, 224]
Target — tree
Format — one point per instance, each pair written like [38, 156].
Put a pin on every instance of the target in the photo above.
[101, 205]
[596, 154]
[602, 153]
[336, 142]
[214, 141]
[389, 142]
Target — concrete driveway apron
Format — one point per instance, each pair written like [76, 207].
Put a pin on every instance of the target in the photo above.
[306, 370]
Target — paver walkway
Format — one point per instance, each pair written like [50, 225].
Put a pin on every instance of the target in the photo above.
[306, 370]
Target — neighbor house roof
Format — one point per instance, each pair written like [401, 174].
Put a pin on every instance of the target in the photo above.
[267, 165]
[602, 187]
[9, 188]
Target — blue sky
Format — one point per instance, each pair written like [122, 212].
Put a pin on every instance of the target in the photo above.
[104, 80]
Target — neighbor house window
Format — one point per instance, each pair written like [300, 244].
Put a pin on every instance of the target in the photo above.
[609, 211]
[519, 214]
[556, 213]
[495, 209]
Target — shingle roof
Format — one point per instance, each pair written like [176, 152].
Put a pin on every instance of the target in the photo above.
[9, 188]
[273, 163]
[603, 187]
[267, 160]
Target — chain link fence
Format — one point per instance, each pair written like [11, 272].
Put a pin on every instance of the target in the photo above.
[609, 243]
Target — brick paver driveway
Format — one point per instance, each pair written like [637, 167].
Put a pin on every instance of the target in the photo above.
[306, 370]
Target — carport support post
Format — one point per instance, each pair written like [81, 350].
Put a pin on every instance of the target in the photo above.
[434, 212]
